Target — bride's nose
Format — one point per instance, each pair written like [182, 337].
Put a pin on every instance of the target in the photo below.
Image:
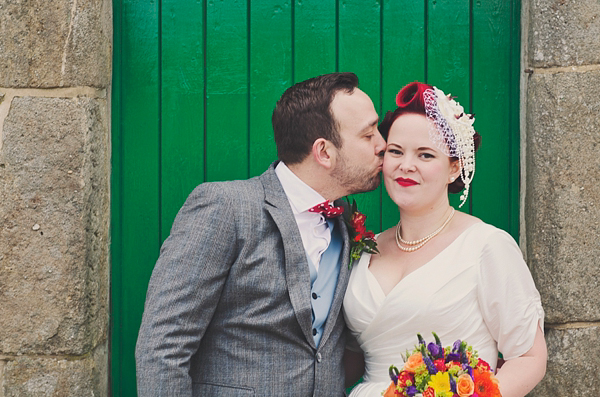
[407, 164]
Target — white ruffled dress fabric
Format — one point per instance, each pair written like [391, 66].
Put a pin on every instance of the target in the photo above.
[478, 289]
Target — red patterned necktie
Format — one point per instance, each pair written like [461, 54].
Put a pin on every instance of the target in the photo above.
[327, 210]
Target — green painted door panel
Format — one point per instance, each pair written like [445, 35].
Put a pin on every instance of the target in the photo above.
[195, 83]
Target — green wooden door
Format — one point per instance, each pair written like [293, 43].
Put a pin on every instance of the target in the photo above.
[195, 83]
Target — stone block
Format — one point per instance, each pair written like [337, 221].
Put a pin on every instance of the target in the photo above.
[54, 220]
[564, 33]
[60, 43]
[573, 362]
[56, 377]
[562, 211]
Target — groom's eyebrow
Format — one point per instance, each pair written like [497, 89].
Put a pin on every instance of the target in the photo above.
[371, 125]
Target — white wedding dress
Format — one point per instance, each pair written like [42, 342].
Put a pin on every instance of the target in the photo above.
[478, 289]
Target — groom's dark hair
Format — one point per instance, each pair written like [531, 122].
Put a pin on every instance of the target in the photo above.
[303, 114]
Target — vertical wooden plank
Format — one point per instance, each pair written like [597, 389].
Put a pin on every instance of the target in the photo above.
[359, 52]
[448, 54]
[139, 172]
[182, 106]
[227, 90]
[270, 75]
[514, 127]
[491, 104]
[402, 62]
[116, 235]
[314, 38]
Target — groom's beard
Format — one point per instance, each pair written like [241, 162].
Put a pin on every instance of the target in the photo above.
[354, 178]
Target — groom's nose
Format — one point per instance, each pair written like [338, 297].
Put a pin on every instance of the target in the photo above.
[379, 144]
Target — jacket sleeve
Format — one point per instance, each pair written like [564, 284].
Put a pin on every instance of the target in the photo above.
[184, 290]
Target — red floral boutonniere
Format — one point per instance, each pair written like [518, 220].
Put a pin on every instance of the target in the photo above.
[361, 239]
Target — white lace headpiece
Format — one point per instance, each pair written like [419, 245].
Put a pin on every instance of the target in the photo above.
[453, 133]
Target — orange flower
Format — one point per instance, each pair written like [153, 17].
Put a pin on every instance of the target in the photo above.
[486, 384]
[464, 385]
[413, 362]
[391, 391]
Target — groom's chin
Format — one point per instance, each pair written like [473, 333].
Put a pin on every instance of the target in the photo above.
[369, 185]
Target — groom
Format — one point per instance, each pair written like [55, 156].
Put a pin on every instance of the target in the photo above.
[245, 297]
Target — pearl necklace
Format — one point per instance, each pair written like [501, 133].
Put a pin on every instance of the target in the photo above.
[416, 244]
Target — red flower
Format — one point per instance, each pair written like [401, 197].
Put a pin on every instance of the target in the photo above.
[362, 239]
[453, 364]
[358, 218]
[440, 364]
[483, 365]
[486, 385]
[404, 377]
[429, 392]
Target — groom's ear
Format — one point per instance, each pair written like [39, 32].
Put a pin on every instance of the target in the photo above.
[323, 152]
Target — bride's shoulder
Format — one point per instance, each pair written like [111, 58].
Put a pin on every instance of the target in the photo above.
[464, 222]
[470, 225]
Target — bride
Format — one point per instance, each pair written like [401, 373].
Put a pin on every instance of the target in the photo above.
[439, 270]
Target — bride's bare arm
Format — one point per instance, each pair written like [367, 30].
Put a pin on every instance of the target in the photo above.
[354, 366]
[518, 376]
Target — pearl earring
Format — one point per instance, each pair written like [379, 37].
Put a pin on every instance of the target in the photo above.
[452, 179]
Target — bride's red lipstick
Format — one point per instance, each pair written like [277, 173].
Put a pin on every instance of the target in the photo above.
[406, 182]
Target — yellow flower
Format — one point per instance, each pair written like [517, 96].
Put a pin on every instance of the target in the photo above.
[440, 382]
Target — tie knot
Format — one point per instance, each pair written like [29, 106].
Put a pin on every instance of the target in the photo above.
[327, 210]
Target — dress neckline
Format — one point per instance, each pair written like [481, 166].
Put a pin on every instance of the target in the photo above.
[368, 261]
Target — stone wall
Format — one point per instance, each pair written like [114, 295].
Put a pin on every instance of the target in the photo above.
[562, 185]
[55, 65]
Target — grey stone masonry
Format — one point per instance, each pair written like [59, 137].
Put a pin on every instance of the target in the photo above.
[55, 74]
[562, 191]
[572, 363]
[63, 43]
[54, 169]
[564, 32]
[57, 377]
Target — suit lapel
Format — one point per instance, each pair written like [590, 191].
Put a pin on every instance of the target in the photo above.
[297, 273]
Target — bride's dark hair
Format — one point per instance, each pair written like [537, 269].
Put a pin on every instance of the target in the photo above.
[410, 100]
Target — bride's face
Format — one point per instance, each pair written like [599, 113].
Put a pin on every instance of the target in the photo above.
[416, 173]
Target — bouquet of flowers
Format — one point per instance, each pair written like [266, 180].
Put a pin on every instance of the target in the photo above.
[435, 371]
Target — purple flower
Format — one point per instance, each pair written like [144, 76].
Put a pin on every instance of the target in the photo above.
[456, 346]
[439, 343]
[434, 350]
[467, 367]
[411, 390]
[452, 383]
[429, 364]
[452, 357]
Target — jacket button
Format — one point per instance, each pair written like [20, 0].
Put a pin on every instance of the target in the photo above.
[319, 358]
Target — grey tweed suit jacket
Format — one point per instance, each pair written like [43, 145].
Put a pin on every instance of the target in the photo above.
[228, 308]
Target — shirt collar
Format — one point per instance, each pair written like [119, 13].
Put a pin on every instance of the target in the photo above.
[300, 195]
